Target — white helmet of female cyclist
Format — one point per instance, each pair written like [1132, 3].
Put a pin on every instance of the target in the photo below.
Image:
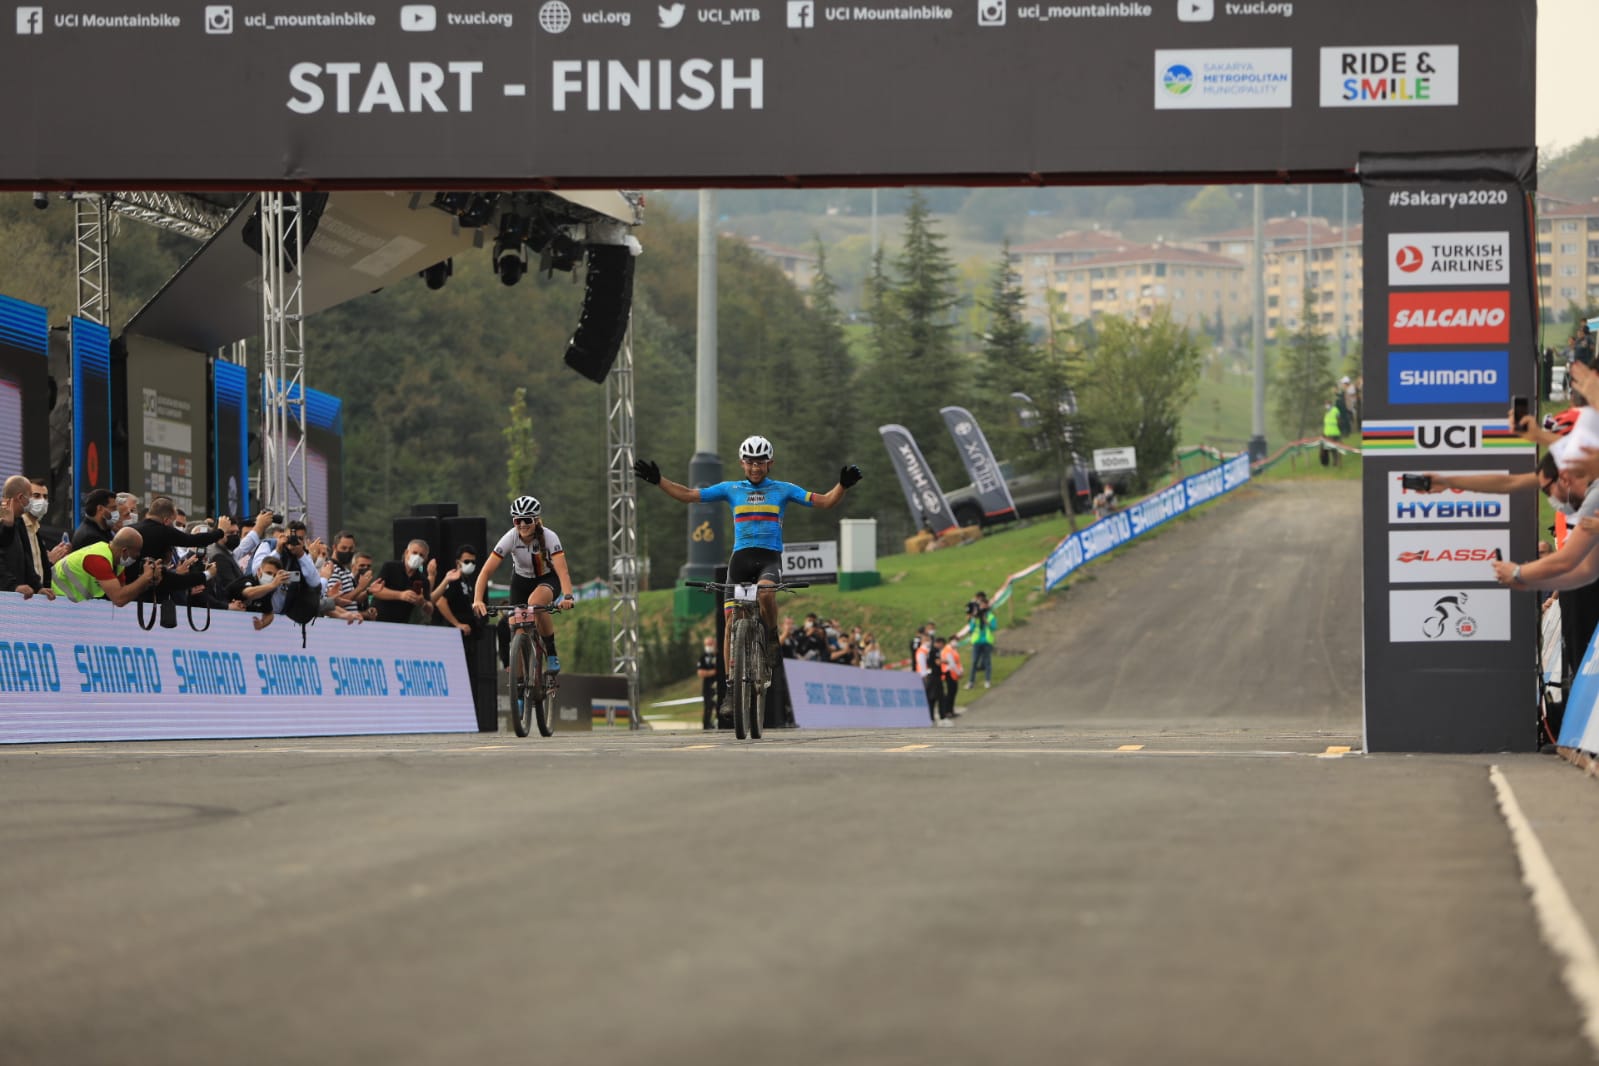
[525, 507]
[755, 448]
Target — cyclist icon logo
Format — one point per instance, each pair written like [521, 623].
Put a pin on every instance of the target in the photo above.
[1449, 609]
[703, 532]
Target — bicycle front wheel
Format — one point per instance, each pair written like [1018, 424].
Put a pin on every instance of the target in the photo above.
[743, 676]
[522, 684]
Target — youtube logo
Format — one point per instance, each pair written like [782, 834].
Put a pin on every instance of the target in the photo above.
[1196, 10]
[419, 18]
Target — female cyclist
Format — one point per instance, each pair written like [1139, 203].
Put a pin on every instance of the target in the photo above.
[539, 575]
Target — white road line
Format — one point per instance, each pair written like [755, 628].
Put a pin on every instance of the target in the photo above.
[1562, 926]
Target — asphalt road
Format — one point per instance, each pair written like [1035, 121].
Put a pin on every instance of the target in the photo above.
[1162, 861]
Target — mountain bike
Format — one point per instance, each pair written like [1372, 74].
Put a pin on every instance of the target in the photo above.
[748, 671]
[532, 687]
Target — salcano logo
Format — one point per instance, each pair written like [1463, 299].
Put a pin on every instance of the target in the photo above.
[1416, 318]
[1449, 377]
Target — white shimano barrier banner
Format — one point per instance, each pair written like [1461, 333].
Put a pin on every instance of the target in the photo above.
[829, 696]
[1115, 530]
[88, 672]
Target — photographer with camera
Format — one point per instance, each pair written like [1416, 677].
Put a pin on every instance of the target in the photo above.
[982, 625]
[96, 571]
[161, 537]
[245, 553]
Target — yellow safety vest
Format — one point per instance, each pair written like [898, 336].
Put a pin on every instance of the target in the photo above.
[73, 581]
[1329, 423]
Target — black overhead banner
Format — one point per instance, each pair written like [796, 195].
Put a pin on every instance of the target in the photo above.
[1450, 338]
[639, 93]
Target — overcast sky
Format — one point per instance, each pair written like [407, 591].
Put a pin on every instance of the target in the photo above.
[1568, 56]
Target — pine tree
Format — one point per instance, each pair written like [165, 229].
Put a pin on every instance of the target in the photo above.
[1303, 379]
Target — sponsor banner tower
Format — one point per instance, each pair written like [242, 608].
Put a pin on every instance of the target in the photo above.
[1450, 333]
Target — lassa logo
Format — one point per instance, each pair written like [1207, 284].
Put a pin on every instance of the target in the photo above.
[1448, 318]
[1416, 557]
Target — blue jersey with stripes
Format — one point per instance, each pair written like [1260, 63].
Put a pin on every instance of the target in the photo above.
[757, 509]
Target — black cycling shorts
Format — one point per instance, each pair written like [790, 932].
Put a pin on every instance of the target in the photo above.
[754, 564]
[522, 587]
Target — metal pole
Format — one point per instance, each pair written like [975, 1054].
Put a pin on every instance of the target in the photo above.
[1343, 306]
[705, 468]
[622, 488]
[1257, 442]
[874, 224]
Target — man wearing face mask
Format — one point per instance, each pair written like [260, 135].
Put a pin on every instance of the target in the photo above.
[453, 597]
[100, 571]
[99, 511]
[23, 566]
[127, 510]
[402, 586]
[160, 536]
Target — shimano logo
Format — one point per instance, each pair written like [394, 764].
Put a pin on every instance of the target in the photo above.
[1449, 377]
[657, 85]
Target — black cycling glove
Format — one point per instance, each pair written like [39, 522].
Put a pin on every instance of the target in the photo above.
[648, 471]
[849, 475]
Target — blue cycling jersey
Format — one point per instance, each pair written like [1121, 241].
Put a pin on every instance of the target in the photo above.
[757, 509]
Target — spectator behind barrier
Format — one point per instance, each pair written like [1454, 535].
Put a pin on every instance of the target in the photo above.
[24, 567]
[403, 586]
[94, 572]
[98, 511]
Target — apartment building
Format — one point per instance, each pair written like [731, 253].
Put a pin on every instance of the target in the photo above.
[1568, 255]
[799, 267]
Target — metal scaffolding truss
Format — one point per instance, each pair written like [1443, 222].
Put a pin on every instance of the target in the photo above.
[176, 212]
[94, 282]
[283, 356]
[622, 524]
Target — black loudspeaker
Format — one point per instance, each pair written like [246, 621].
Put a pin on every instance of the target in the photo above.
[483, 664]
[423, 527]
[607, 299]
[472, 530]
[437, 510]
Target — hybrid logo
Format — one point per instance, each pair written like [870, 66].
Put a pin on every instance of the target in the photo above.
[657, 84]
[1449, 377]
[1449, 258]
[30, 21]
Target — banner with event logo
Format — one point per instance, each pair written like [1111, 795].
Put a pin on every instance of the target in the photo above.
[993, 495]
[1451, 322]
[1117, 529]
[87, 671]
[829, 696]
[928, 506]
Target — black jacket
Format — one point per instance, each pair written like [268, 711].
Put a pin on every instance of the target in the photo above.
[16, 564]
[160, 539]
[89, 533]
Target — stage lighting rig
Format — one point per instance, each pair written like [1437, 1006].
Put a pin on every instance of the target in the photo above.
[479, 211]
[437, 274]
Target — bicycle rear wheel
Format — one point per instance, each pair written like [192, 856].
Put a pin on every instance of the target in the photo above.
[757, 679]
[521, 684]
[542, 695]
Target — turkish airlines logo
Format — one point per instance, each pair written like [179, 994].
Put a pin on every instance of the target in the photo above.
[1448, 318]
[1408, 259]
[1476, 258]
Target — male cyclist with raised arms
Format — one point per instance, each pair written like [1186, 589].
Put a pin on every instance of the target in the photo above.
[757, 503]
[538, 565]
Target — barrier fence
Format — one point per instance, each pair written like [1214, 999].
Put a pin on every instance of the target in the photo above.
[84, 672]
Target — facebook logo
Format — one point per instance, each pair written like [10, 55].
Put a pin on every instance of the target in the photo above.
[30, 20]
[801, 14]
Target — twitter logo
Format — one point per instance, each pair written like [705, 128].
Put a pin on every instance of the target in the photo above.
[670, 16]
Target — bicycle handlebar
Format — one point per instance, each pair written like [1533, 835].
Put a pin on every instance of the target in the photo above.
[712, 586]
[507, 608]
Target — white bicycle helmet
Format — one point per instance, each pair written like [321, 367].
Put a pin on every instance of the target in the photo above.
[525, 507]
[755, 448]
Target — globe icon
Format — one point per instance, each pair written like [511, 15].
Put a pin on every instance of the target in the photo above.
[555, 16]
